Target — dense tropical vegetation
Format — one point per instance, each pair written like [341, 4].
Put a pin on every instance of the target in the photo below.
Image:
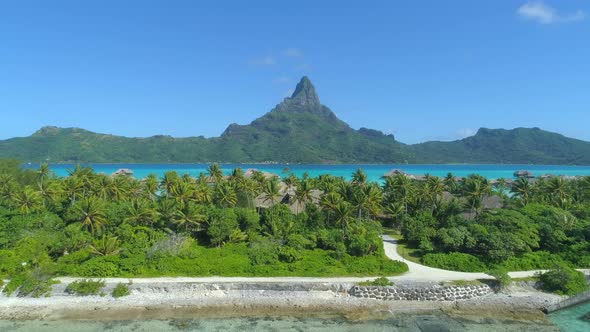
[542, 222]
[299, 129]
[97, 225]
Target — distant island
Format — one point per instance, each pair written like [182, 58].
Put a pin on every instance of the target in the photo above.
[298, 130]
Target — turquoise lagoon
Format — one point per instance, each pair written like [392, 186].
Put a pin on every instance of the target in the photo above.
[374, 172]
[575, 318]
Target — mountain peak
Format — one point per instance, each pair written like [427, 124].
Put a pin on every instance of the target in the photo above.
[47, 130]
[305, 93]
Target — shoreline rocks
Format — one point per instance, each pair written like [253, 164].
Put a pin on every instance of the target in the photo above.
[432, 293]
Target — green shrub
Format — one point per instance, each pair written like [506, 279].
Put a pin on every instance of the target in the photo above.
[455, 262]
[563, 280]
[373, 265]
[10, 262]
[532, 261]
[381, 281]
[85, 287]
[263, 252]
[501, 276]
[36, 286]
[172, 245]
[221, 227]
[289, 254]
[15, 282]
[100, 267]
[121, 290]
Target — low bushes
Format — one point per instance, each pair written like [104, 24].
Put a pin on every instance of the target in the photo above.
[121, 290]
[501, 276]
[455, 262]
[381, 281]
[532, 261]
[563, 280]
[30, 284]
[85, 287]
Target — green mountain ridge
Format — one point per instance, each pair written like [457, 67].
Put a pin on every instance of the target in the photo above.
[298, 130]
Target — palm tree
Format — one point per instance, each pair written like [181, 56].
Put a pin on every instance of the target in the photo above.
[73, 188]
[556, 189]
[43, 172]
[105, 188]
[329, 201]
[373, 200]
[50, 191]
[399, 188]
[343, 214]
[359, 178]
[106, 246]
[225, 195]
[140, 211]
[7, 188]
[450, 183]
[249, 189]
[303, 193]
[291, 182]
[91, 213]
[124, 188]
[522, 188]
[27, 201]
[150, 187]
[433, 189]
[189, 217]
[85, 175]
[182, 192]
[215, 172]
[167, 210]
[237, 174]
[203, 194]
[259, 178]
[584, 185]
[475, 188]
[394, 210]
[501, 184]
[271, 192]
[169, 181]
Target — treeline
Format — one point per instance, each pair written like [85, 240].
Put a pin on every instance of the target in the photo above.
[97, 225]
[542, 222]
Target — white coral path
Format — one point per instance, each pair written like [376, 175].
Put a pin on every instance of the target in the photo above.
[422, 272]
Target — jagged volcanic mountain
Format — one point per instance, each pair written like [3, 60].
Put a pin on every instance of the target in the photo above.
[301, 130]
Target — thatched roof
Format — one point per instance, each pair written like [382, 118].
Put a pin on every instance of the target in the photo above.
[249, 173]
[123, 171]
[394, 172]
[524, 174]
[492, 202]
[287, 197]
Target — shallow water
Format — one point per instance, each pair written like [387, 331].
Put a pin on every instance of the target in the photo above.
[409, 323]
[576, 318]
[374, 172]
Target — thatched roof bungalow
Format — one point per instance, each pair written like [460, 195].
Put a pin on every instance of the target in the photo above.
[123, 171]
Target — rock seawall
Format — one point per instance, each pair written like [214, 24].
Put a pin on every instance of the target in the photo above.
[432, 293]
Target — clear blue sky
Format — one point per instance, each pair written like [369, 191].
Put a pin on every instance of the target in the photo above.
[419, 69]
